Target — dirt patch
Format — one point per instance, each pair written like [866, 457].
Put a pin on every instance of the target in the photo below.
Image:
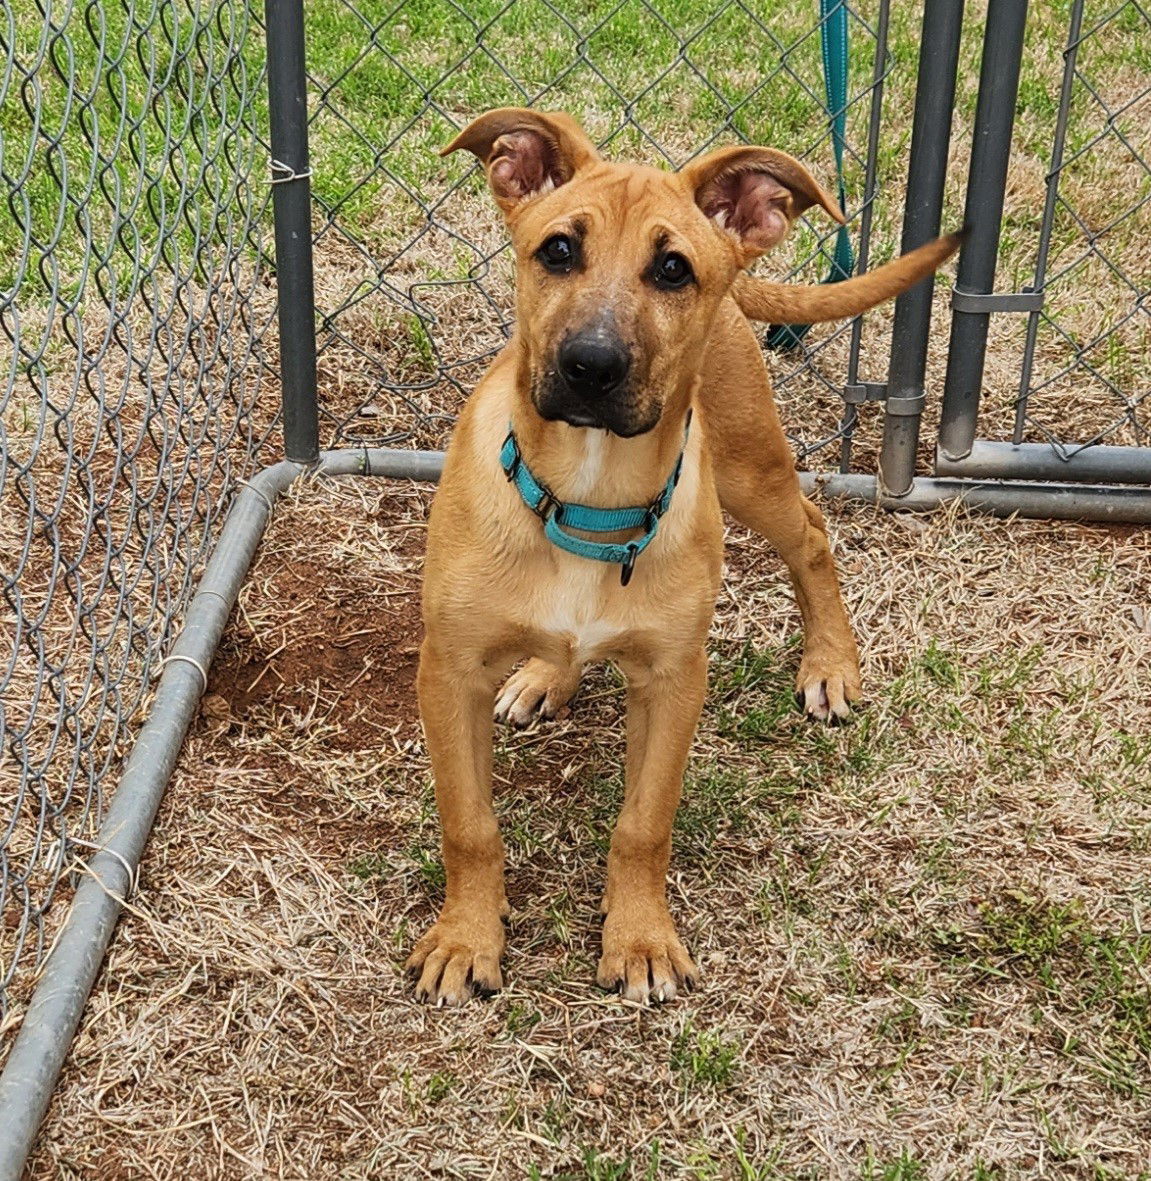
[324, 649]
[355, 649]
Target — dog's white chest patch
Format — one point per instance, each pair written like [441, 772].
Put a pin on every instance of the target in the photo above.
[575, 610]
[576, 605]
[591, 469]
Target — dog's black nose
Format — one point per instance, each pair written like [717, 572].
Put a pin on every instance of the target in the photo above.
[592, 366]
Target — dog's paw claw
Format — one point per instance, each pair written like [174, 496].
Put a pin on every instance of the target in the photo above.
[652, 968]
[825, 692]
[455, 962]
[538, 690]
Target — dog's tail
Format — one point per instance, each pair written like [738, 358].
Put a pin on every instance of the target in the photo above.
[793, 303]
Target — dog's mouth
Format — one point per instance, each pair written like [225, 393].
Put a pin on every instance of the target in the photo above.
[626, 429]
[621, 414]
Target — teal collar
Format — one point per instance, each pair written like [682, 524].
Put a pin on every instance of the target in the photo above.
[556, 513]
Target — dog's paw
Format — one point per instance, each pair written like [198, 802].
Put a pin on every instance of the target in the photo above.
[456, 959]
[644, 961]
[538, 689]
[827, 686]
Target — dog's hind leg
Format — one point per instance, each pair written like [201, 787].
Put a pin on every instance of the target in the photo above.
[757, 484]
[537, 689]
[461, 952]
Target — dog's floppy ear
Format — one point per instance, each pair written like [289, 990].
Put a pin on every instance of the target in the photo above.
[525, 153]
[755, 194]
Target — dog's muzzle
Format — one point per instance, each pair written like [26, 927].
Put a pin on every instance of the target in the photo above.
[588, 385]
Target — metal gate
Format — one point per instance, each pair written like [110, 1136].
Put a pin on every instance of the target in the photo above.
[1081, 410]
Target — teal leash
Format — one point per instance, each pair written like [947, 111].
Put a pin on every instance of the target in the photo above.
[833, 42]
[556, 513]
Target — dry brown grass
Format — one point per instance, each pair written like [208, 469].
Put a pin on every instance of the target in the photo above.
[924, 936]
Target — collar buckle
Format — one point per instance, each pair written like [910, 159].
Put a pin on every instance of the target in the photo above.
[511, 465]
[548, 506]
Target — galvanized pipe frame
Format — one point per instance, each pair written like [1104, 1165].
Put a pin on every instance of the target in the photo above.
[973, 299]
[998, 498]
[923, 207]
[292, 212]
[988, 459]
[41, 1045]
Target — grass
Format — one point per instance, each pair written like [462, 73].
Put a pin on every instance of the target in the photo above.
[685, 71]
[704, 1058]
[91, 169]
[906, 1167]
[1073, 971]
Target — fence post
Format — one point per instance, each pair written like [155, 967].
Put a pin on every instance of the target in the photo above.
[986, 184]
[853, 387]
[292, 210]
[927, 171]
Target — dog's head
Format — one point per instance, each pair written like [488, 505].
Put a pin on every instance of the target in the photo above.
[620, 268]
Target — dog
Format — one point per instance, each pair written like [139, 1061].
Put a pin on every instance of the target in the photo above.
[578, 518]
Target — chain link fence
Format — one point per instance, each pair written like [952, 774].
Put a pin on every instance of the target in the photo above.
[1086, 371]
[135, 305]
[412, 271]
[413, 275]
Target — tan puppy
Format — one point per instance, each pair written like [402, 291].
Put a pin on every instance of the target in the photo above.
[627, 318]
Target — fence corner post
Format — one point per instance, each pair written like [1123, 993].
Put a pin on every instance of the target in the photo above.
[292, 210]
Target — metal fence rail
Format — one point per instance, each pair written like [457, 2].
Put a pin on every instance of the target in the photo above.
[134, 308]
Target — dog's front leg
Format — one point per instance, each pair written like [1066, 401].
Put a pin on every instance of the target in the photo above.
[461, 952]
[642, 954]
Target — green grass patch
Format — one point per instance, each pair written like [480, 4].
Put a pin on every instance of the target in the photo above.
[1089, 985]
[130, 143]
[704, 1058]
[905, 1167]
[440, 1086]
[521, 1019]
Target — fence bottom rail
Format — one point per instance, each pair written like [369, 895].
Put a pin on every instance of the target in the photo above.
[1088, 502]
[1093, 464]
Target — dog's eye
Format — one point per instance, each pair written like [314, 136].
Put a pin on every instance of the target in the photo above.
[558, 253]
[672, 270]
